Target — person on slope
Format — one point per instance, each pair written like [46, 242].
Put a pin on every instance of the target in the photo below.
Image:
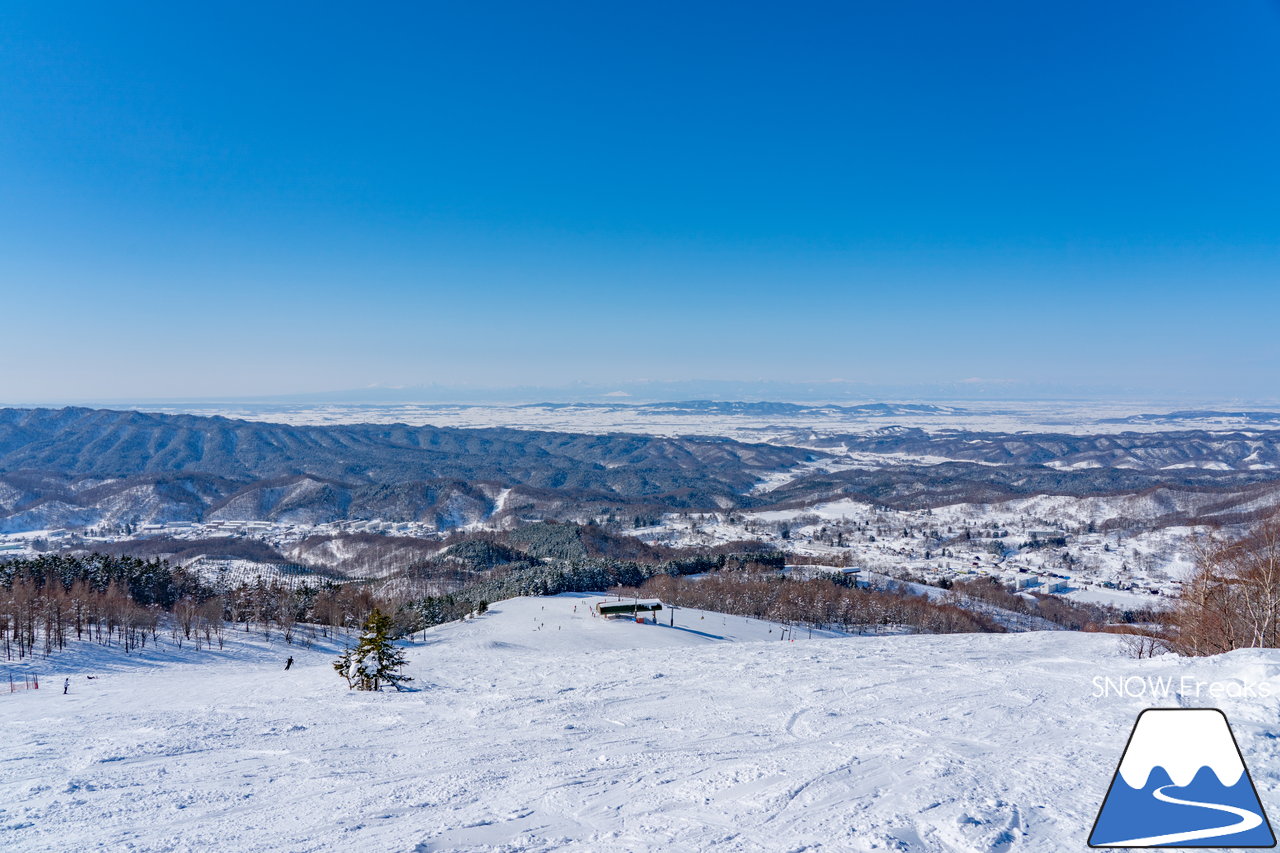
[288, 663]
[66, 685]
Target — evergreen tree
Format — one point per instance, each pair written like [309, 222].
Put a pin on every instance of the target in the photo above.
[375, 659]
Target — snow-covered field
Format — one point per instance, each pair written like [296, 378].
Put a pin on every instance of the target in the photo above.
[538, 727]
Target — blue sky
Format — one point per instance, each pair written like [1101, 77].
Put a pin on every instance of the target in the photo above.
[243, 199]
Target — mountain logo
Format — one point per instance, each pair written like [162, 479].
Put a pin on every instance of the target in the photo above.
[1181, 783]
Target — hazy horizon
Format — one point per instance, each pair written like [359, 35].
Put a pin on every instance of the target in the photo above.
[834, 392]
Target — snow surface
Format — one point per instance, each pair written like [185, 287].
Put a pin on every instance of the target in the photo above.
[538, 727]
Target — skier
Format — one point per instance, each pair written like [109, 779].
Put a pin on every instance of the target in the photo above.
[288, 663]
[66, 685]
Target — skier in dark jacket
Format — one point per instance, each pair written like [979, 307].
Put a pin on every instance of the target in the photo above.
[288, 663]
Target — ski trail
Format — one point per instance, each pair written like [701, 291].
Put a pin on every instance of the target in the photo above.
[1248, 820]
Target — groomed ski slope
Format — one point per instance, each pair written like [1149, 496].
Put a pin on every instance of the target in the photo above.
[535, 727]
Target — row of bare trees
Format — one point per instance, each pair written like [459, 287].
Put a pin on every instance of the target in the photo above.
[1072, 615]
[1232, 599]
[41, 618]
[817, 603]
[270, 606]
[47, 601]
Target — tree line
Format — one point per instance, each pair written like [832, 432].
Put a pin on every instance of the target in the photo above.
[1230, 601]
[125, 601]
[817, 603]
[46, 600]
[1067, 614]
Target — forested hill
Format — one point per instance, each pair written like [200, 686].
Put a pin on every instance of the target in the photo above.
[74, 465]
[101, 442]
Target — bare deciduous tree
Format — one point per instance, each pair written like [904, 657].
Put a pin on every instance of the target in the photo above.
[1232, 600]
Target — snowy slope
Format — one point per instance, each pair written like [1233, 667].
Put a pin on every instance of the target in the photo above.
[543, 729]
[564, 623]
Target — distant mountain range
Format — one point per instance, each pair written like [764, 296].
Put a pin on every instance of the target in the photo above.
[1142, 451]
[1197, 415]
[75, 467]
[760, 409]
[78, 467]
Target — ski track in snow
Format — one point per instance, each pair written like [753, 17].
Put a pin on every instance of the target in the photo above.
[535, 727]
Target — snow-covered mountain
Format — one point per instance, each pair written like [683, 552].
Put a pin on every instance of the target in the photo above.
[84, 467]
[76, 468]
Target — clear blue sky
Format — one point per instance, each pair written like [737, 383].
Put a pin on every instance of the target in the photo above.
[246, 198]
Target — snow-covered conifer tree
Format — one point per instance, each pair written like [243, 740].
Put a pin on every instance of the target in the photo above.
[375, 659]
